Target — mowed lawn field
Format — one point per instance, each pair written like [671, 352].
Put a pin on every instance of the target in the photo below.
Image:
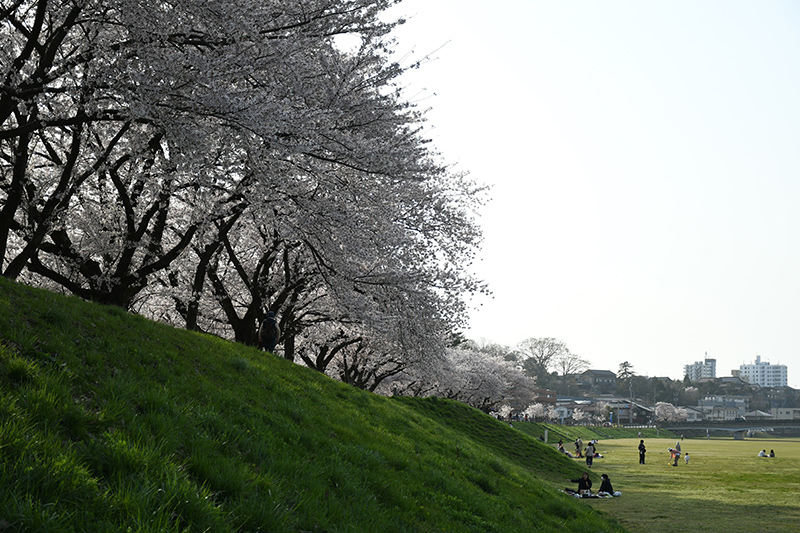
[725, 486]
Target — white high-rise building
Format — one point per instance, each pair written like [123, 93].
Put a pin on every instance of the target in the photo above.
[764, 374]
[701, 369]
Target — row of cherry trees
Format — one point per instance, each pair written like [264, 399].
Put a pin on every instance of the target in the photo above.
[203, 162]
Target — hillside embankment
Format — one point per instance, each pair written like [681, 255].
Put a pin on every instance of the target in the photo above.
[110, 422]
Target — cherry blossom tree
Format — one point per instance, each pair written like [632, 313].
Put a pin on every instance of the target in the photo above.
[536, 411]
[601, 411]
[666, 412]
[503, 412]
[468, 376]
[201, 164]
[118, 68]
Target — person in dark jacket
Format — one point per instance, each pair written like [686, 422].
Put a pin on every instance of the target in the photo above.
[584, 484]
[605, 484]
[269, 333]
[642, 451]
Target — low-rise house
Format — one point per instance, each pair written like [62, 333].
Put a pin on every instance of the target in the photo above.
[694, 414]
[598, 381]
[565, 408]
[545, 396]
[785, 413]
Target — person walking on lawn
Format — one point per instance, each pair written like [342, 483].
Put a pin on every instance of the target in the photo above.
[590, 451]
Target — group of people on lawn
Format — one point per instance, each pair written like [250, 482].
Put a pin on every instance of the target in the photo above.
[585, 484]
[606, 490]
[590, 452]
[585, 487]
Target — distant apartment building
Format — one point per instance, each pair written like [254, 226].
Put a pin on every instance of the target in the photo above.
[764, 374]
[701, 369]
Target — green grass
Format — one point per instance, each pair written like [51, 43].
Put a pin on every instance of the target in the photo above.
[109, 422]
[725, 487]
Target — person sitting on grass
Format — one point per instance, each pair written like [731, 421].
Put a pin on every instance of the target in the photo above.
[584, 485]
[605, 485]
[762, 453]
[772, 453]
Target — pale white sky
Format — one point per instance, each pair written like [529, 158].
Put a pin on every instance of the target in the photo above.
[645, 164]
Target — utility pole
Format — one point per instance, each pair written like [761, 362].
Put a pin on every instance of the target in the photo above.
[630, 391]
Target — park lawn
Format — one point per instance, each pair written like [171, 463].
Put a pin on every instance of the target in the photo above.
[725, 486]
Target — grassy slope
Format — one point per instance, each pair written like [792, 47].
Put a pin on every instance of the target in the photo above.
[110, 422]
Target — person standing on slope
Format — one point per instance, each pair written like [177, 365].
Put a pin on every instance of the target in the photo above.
[269, 333]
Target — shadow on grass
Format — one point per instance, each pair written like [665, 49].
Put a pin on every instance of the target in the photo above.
[678, 513]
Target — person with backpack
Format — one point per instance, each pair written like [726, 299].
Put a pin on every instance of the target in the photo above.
[269, 333]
